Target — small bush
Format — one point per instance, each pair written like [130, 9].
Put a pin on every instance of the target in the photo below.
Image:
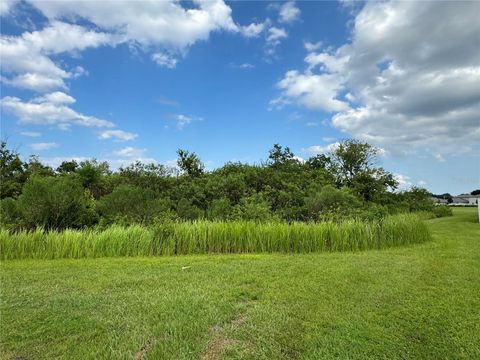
[442, 210]
[373, 212]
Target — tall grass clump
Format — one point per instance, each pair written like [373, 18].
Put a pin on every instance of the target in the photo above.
[204, 237]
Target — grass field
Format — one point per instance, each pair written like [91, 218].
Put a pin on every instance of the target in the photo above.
[415, 302]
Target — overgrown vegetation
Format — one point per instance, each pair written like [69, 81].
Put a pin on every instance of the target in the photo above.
[345, 184]
[415, 302]
[442, 210]
[201, 237]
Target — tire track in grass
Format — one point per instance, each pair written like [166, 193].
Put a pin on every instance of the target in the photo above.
[222, 341]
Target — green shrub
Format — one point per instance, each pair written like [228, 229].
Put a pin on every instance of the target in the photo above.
[130, 204]
[219, 209]
[373, 212]
[442, 210]
[330, 202]
[55, 203]
[187, 211]
[417, 199]
[254, 208]
[10, 216]
[93, 177]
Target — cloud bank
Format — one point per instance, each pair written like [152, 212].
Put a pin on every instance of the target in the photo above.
[408, 79]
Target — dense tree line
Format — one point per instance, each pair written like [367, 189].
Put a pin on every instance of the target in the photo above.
[344, 183]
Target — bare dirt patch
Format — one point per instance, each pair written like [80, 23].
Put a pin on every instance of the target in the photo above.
[217, 347]
[142, 353]
[237, 320]
[221, 342]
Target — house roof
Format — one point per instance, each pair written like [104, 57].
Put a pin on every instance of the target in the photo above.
[459, 200]
[467, 196]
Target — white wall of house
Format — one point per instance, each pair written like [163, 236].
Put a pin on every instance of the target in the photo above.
[472, 200]
[466, 200]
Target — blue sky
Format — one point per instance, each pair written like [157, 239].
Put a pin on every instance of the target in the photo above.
[228, 80]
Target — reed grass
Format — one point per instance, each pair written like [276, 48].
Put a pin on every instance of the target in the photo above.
[204, 237]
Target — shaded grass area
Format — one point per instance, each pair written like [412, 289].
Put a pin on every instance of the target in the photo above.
[202, 237]
[417, 302]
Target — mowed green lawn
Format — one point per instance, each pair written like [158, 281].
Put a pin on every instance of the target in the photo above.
[417, 302]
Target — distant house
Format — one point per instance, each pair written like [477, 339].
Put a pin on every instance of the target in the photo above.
[438, 201]
[465, 199]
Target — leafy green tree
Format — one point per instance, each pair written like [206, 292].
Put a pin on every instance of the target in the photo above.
[279, 156]
[93, 175]
[10, 216]
[55, 203]
[190, 163]
[286, 199]
[330, 202]
[373, 183]
[34, 167]
[251, 175]
[155, 177]
[219, 209]
[320, 161]
[67, 167]
[353, 162]
[347, 182]
[417, 199]
[187, 211]
[254, 208]
[233, 187]
[12, 173]
[129, 204]
[351, 158]
[195, 189]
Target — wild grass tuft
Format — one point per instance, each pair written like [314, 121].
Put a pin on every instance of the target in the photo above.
[203, 237]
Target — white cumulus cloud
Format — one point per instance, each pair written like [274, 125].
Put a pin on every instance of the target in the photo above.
[130, 151]
[274, 37]
[148, 22]
[51, 109]
[26, 61]
[314, 91]
[117, 134]
[404, 181]
[164, 60]
[321, 149]
[163, 28]
[253, 29]
[6, 7]
[30, 133]
[289, 12]
[43, 146]
[407, 80]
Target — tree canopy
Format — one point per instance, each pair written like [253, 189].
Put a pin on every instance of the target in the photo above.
[346, 182]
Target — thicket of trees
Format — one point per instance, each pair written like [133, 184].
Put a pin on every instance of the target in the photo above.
[345, 183]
